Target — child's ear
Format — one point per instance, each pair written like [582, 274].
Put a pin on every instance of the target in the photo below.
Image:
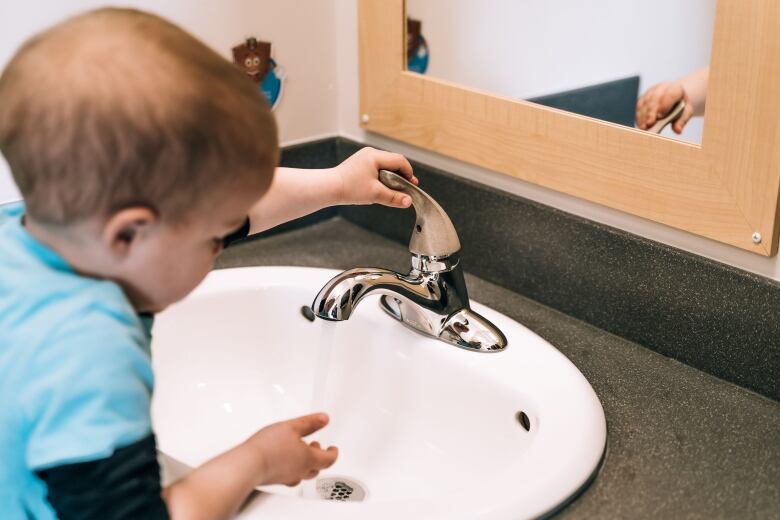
[125, 227]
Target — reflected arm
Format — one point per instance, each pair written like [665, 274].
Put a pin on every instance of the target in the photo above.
[695, 85]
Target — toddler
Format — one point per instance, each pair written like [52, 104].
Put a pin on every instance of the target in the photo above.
[139, 153]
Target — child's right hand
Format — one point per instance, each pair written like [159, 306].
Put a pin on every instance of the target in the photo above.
[658, 101]
[285, 458]
[277, 454]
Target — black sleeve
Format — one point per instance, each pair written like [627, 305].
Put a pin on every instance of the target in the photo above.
[238, 234]
[123, 486]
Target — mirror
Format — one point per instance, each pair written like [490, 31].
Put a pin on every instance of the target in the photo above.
[614, 60]
[725, 189]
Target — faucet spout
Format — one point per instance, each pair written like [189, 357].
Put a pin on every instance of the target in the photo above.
[339, 297]
[432, 299]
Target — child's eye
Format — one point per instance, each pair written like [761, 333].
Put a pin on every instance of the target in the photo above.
[248, 62]
[256, 61]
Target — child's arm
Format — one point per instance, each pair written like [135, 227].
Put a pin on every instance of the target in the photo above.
[295, 193]
[275, 455]
[660, 98]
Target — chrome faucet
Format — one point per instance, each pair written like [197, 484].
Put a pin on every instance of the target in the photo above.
[432, 299]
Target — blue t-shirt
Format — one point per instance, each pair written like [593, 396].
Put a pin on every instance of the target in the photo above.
[75, 373]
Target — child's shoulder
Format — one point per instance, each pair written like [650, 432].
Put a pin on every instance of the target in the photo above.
[40, 294]
[59, 318]
[11, 209]
[57, 326]
[63, 334]
[39, 305]
[74, 354]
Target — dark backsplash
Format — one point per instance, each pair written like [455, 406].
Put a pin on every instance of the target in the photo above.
[708, 315]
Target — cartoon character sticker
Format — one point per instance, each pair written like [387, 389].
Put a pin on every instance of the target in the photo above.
[254, 57]
[416, 47]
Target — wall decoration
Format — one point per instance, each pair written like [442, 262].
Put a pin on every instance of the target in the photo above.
[254, 58]
[416, 47]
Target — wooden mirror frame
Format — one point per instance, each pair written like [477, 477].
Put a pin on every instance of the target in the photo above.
[726, 189]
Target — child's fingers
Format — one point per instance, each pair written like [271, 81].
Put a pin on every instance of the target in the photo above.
[325, 458]
[308, 424]
[647, 112]
[667, 101]
[651, 111]
[394, 199]
[683, 119]
[645, 108]
[394, 162]
[656, 104]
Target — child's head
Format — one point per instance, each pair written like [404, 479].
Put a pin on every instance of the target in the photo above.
[128, 136]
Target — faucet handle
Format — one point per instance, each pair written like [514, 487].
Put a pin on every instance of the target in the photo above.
[433, 234]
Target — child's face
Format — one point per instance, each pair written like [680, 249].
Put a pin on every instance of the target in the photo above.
[170, 261]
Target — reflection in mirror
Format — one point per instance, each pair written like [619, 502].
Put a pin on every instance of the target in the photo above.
[640, 63]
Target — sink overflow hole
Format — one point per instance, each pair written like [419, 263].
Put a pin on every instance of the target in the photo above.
[524, 421]
[307, 313]
[340, 489]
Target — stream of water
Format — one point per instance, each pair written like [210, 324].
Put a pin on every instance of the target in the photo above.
[324, 353]
[321, 370]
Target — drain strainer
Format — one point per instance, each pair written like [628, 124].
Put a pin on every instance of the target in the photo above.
[340, 489]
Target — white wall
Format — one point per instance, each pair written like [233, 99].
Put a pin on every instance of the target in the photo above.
[527, 48]
[346, 20]
[302, 33]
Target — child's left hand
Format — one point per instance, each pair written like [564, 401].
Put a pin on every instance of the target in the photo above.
[359, 175]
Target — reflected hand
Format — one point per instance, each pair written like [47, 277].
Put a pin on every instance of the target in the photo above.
[658, 101]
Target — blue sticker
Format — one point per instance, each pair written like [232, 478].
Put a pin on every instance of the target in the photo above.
[419, 61]
[271, 87]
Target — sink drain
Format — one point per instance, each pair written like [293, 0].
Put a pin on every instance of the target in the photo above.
[340, 489]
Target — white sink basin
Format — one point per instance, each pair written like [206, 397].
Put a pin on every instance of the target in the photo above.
[426, 429]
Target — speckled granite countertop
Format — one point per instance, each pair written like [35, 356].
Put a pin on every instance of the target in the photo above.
[681, 443]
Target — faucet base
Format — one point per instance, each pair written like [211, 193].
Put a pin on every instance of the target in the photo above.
[465, 329]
